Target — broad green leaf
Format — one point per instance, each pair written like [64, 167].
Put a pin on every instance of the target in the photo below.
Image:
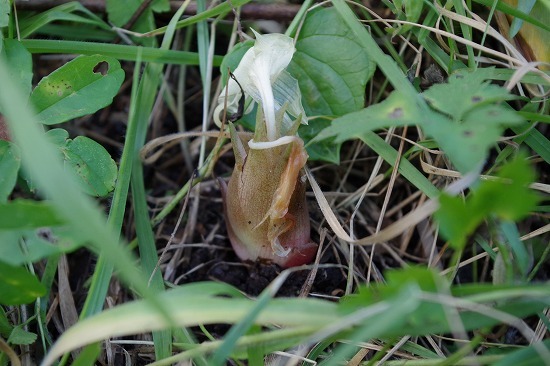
[120, 12]
[233, 58]
[4, 13]
[332, 70]
[511, 198]
[10, 162]
[463, 91]
[396, 110]
[508, 198]
[27, 214]
[18, 286]
[20, 336]
[20, 63]
[5, 326]
[82, 86]
[330, 65]
[464, 127]
[94, 168]
[467, 142]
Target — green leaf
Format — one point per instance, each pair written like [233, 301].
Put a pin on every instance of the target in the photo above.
[233, 58]
[20, 336]
[467, 143]
[4, 13]
[508, 198]
[27, 214]
[396, 110]
[18, 286]
[94, 168]
[81, 86]
[511, 198]
[332, 70]
[463, 91]
[120, 12]
[5, 326]
[464, 127]
[20, 63]
[10, 162]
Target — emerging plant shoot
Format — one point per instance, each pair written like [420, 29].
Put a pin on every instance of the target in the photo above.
[265, 205]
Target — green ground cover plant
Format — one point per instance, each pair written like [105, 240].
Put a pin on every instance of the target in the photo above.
[406, 142]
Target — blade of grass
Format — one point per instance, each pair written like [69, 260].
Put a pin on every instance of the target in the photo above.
[505, 8]
[383, 61]
[81, 33]
[536, 141]
[262, 343]
[206, 73]
[408, 170]
[121, 52]
[147, 92]
[466, 33]
[104, 268]
[218, 10]
[240, 328]
[293, 27]
[61, 12]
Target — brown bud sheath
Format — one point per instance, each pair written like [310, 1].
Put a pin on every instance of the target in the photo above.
[265, 204]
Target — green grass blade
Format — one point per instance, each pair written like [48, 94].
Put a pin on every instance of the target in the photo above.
[218, 10]
[121, 52]
[148, 253]
[239, 329]
[104, 268]
[505, 8]
[536, 141]
[466, 33]
[383, 61]
[408, 170]
[61, 12]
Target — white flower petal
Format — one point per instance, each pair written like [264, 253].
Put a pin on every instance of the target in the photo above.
[286, 90]
[275, 50]
[262, 75]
